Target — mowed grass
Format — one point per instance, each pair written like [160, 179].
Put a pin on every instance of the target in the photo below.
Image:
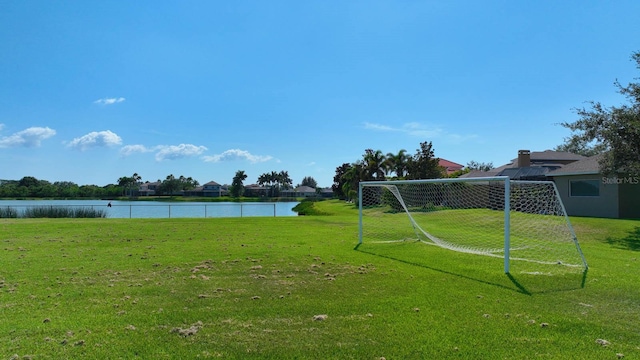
[299, 288]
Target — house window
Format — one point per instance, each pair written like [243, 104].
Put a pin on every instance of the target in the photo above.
[584, 188]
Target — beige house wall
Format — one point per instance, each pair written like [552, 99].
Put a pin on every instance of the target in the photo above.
[605, 205]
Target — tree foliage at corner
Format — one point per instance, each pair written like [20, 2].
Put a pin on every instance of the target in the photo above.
[577, 145]
[613, 131]
[237, 185]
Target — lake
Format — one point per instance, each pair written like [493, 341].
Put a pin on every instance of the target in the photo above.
[155, 209]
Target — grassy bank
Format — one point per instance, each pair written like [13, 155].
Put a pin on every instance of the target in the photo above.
[296, 287]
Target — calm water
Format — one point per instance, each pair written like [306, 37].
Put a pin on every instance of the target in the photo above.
[154, 209]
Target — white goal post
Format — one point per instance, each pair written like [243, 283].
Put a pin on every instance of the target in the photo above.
[493, 216]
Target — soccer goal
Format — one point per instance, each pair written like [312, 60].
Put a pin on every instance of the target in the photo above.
[494, 216]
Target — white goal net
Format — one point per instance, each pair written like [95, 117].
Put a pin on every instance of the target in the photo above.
[510, 219]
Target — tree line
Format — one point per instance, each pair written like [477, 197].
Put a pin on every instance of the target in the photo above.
[31, 187]
[377, 166]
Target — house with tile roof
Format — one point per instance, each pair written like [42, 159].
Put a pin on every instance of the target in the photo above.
[149, 188]
[449, 166]
[583, 189]
[210, 189]
[530, 165]
[255, 190]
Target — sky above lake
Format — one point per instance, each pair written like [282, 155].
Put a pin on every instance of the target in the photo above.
[91, 91]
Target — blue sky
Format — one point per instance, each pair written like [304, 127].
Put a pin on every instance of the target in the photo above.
[91, 91]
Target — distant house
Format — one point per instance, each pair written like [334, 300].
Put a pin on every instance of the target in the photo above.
[300, 191]
[326, 192]
[449, 166]
[255, 190]
[586, 192]
[210, 189]
[306, 191]
[149, 188]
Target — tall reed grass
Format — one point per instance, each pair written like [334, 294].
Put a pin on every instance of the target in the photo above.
[8, 212]
[52, 212]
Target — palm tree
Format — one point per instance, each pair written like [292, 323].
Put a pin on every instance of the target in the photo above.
[398, 163]
[135, 181]
[237, 187]
[351, 178]
[284, 180]
[123, 182]
[170, 185]
[275, 180]
[339, 180]
[374, 165]
[128, 183]
[267, 179]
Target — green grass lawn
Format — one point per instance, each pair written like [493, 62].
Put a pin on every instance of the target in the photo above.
[298, 288]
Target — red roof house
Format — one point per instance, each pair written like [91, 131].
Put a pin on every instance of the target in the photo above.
[450, 166]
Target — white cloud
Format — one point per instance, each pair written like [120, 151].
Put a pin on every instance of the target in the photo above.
[173, 152]
[133, 149]
[378, 127]
[95, 139]
[237, 154]
[31, 137]
[420, 130]
[109, 101]
[412, 128]
[164, 152]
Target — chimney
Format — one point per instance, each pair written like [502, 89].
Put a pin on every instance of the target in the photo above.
[524, 158]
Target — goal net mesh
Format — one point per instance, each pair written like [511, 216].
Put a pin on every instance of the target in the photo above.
[469, 216]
